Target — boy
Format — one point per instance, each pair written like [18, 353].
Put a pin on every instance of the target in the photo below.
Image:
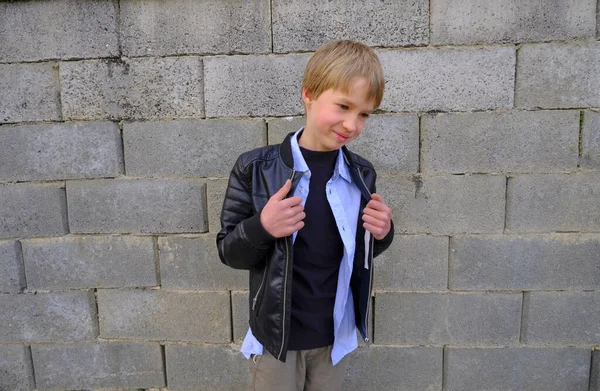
[304, 218]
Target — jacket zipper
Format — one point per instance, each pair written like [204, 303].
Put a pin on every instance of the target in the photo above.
[287, 251]
[254, 300]
[285, 279]
[259, 289]
[370, 284]
[370, 268]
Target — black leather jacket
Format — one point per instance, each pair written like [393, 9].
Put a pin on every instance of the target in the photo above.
[243, 243]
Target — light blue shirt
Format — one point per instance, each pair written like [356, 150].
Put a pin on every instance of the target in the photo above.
[344, 199]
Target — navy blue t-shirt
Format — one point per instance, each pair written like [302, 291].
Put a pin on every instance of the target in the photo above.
[318, 252]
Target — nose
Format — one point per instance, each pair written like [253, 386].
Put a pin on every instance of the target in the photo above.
[351, 124]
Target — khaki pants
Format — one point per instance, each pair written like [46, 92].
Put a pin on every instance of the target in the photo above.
[303, 370]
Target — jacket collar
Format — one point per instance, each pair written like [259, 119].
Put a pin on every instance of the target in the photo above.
[285, 150]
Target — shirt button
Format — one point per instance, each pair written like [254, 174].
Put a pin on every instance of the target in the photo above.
[302, 190]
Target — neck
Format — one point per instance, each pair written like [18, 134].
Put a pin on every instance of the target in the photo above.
[307, 142]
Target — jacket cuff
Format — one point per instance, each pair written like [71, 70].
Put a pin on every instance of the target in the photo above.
[383, 244]
[256, 234]
[390, 236]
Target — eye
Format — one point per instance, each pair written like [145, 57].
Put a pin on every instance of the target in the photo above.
[343, 107]
[365, 115]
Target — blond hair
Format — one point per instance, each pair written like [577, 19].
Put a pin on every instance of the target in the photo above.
[336, 64]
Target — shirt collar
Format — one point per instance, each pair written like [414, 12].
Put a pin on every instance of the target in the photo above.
[341, 166]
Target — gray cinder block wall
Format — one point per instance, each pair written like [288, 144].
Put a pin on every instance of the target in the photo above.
[120, 121]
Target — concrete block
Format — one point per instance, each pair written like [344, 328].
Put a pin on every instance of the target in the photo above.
[189, 148]
[447, 318]
[194, 264]
[278, 128]
[206, 367]
[16, 372]
[445, 204]
[139, 88]
[34, 30]
[450, 79]
[387, 368]
[590, 159]
[12, 273]
[256, 85]
[79, 262]
[165, 315]
[137, 206]
[29, 92]
[241, 312]
[472, 22]
[558, 75]
[595, 373]
[509, 262]
[558, 202]
[97, 365]
[306, 26]
[513, 141]
[518, 368]
[60, 151]
[565, 318]
[390, 142]
[42, 317]
[413, 262]
[215, 194]
[179, 27]
[30, 210]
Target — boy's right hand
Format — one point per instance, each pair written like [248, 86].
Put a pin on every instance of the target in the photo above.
[283, 216]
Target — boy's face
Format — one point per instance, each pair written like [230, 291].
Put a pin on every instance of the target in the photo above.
[335, 118]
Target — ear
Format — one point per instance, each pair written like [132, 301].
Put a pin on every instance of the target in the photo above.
[306, 96]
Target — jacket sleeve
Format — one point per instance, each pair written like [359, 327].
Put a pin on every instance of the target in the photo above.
[381, 245]
[242, 241]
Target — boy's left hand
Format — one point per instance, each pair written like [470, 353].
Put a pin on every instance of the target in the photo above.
[377, 217]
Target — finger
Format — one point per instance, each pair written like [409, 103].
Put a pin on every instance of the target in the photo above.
[283, 192]
[378, 214]
[293, 226]
[288, 213]
[293, 211]
[291, 202]
[298, 226]
[371, 228]
[374, 204]
[376, 231]
[296, 218]
[376, 197]
[373, 221]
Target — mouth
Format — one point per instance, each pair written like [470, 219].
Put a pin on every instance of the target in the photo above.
[340, 137]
